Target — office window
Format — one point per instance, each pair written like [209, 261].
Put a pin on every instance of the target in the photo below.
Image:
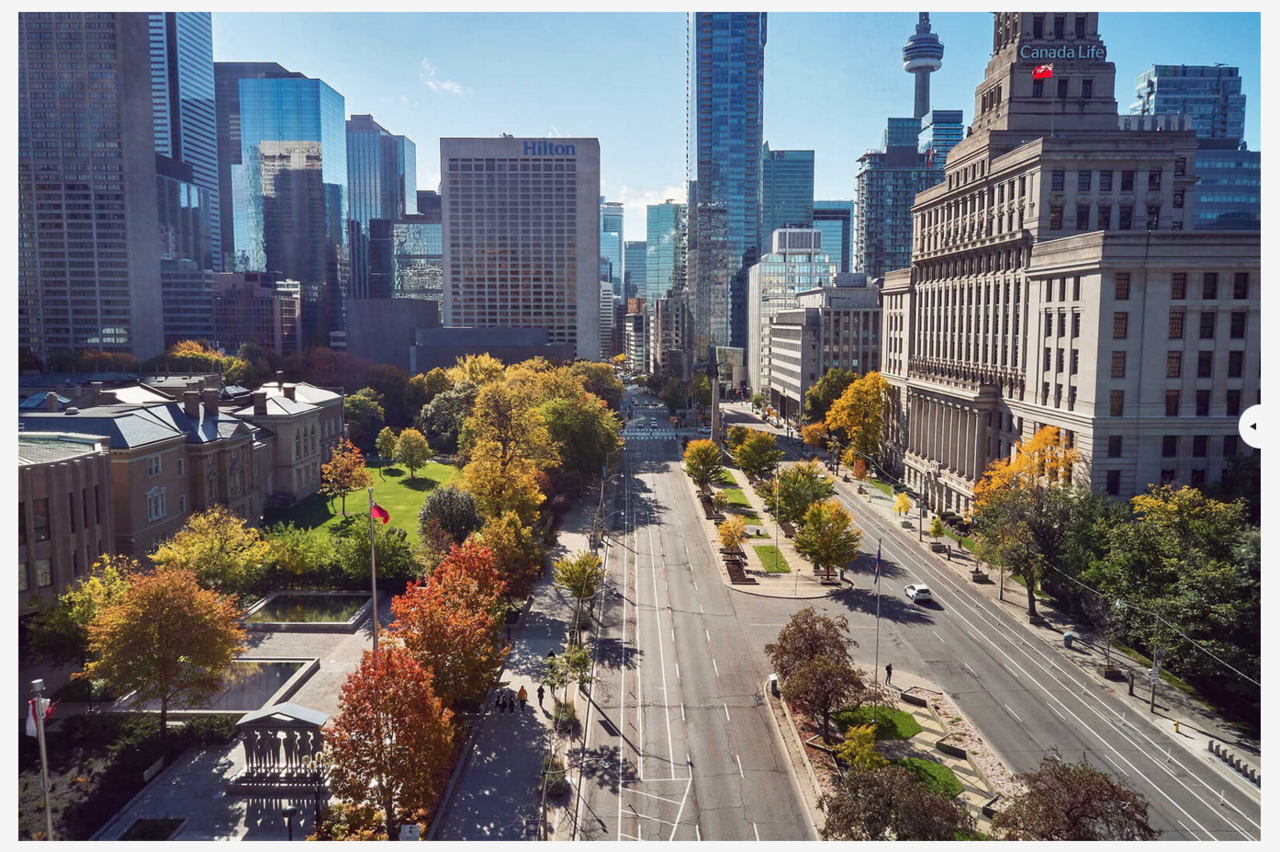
[24, 580]
[1075, 291]
[1055, 217]
[1197, 477]
[1235, 364]
[1153, 178]
[182, 504]
[1153, 217]
[1062, 289]
[1117, 403]
[1168, 475]
[1126, 180]
[1177, 319]
[1075, 325]
[1230, 445]
[1122, 285]
[1104, 217]
[1037, 88]
[1238, 321]
[1075, 361]
[1172, 402]
[40, 518]
[1062, 88]
[1233, 402]
[1104, 181]
[71, 505]
[1048, 359]
[154, 466]
[1180, 166]
[1086, 88]
[1200, 446]
[1118, 364]
[1071, 398]
[1173, 364]
[1207, 321]
[1120, 325]
[44, 576]
[1082, 217]
[1056, 179]
[1202, 403]
[1113, 482]
[1115, 446]
[1204, 365]
[182, 467]
[1177, 199]
[1126, 217]
[1048, 291]
[1061, 359]
[155, 504]
[1178, 286]
[1084, 181]
[1210, 287]
[1241, 290]
[1169, 447]
[1037, 26]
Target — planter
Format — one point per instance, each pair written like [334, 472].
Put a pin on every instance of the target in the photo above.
[1110, 672]
[937, 547]
[978, 576]
[947, 746]
[906, 525]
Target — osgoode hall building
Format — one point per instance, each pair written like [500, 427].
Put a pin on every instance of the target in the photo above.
[1055, 280]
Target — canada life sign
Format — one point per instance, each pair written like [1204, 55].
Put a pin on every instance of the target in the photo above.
[1073, 51]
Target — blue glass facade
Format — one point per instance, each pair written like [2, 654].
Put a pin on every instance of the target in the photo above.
[787, 192]
[382, 183]
[612, 258]
[940, 131]
[406, 259]
[1229, 192]
[726, 119]
[665, 234]
[290, 193]
[1210, 94]
[835, 220]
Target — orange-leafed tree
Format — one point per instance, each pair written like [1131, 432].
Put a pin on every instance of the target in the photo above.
[167, 641]
[452, 624]
[860, 470]
[815, 434]
[390, 745]
[344, 472]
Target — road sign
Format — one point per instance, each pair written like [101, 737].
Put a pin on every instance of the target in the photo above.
[1155, 671]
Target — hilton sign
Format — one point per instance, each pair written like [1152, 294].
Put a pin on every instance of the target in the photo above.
[549, 149]
[1083, 51]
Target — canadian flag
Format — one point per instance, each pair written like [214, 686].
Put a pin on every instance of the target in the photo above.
[46, 707]
[1042, 72]
[379, 514]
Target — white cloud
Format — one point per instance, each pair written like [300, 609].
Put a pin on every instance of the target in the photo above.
[427, 72]
[634, 203]
[554, 133]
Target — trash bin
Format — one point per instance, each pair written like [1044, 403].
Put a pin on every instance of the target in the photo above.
[773, 684]
[1067, 639]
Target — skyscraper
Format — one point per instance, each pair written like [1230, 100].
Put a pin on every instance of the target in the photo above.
[634, 260]
[665, 244]
[725, 130]
[382, 183]
[88, 248]
[289, 189]
[835, 220]
[522, 237]
[940, 131]
[787, 191]
[921, 56]
[611, 249]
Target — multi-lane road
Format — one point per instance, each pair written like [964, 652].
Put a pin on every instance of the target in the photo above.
[679, 742]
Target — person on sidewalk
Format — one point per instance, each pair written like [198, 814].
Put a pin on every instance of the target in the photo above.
[541, 694]
[501, 700]
[888, 672]
[524, 698]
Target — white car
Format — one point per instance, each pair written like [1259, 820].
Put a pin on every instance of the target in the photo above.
[917, 593]
[704, 430]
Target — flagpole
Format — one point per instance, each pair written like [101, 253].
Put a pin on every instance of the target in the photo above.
[373, 571]
[878, 543]
[37, 686]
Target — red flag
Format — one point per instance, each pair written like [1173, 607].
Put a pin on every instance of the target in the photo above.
[1042, 72]
[379, 514]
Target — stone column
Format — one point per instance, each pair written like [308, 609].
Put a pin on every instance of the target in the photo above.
[979, 444]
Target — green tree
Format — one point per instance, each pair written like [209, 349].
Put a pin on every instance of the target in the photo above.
[600, 380]
[674, 395]
[585, 430]
[441, 419]
[395, 555]
[702, 391]
[219, 548]
[386, 444]
[580, 575]
[453, 509]
[702, 463]
[412, 450]
[890, 804]
[796, 488]
[364, 415]
[759, 401]
[299, 557]
[828, 537]
[809, 635]
[758, 456]
[60, 630]
[1073, 801]
[735, 435]
[392, 385]
[822, 394]
[859, 413]
[936, 529]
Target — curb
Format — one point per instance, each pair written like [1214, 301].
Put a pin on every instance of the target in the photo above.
[745, 591]
[804, 754]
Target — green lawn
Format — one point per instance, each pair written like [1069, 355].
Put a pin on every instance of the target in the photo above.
[883, 486]
[890, 724]
[965, 540]
[935, 776]
[393, 490]
[772, 559]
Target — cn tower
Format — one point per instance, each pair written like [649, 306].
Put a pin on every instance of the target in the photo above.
[921, 56]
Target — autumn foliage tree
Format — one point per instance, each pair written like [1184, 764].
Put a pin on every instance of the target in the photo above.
[167, 641]
[515, 550]
[60, 630]
[859, 413]
[391, 744]
[702, 462]
[344, 473]
[452, 623]
[386, 445]
[828, 537]
[220, 548]
[1073, 801]
[890, 804]
[758, 455]
[815, 434]
[412, 450]
[732, 531]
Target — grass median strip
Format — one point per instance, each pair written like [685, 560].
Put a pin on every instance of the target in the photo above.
[890, 724]
[933, 775]
[772, 559]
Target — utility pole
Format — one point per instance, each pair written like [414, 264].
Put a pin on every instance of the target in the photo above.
[40, 702]
[373, 572]
[1155, 678]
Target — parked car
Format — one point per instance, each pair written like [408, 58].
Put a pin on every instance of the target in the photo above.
[917, 593]
[704, 430]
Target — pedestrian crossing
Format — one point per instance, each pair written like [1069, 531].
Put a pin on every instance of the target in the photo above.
[648, 434]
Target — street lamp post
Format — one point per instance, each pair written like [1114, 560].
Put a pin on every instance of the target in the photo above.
[289, 812]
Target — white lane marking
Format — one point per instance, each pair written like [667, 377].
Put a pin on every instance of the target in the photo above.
[662, 654]
[649, 795]
[683, 798]
[681, 711]
[756, 830]
[1055, 709]
[1011, 713]
[971, 671]
[740, 772]
[698, 831]
[1187, 830]
[673, 630]
[695, 585]
[677, 669]
[714, 666]
[726, 711]
[700, 609]
[940, 639]
[708, 633]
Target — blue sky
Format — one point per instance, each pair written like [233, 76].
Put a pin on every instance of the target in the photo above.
[831, 79]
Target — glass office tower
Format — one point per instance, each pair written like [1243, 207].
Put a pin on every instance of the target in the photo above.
[665, 234]
[787, 191]
[406, 259]
[382, 183]
[633, 260]
[611, 245]
[290, 193]
[835, 220]
[940, 131]
[725, 135]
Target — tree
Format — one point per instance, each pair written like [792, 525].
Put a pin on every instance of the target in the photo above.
[859, 748]
[859, 412]
[454, 509]
[503, 487]
[391, 744]
[936, 529]
[732, 531]
[166, 640]
[299, 557]
[720, 501]
[828, 537]
[890, 804]
[218, 547]
[759, 401]
[702, 463]
[580, 575]
[860, 470]
[364, 415]
[478, 369]
[758, 455]
[901, 504]
[412, 450]
[60, 631]
[824, 392]
[516, 555]
[1073, 801]
[600, 380]
[674, 395]
[392, 385]
[433, 384]
[344, 473]
[584, 429]
[821, 686]
[815, 434]
[701, 390]
[452, 624]
[619, 360]
[441, 419]
[386, 445]
[809, 635]
[509, 429]
[735, 435]
[797, 488]
[395, 555]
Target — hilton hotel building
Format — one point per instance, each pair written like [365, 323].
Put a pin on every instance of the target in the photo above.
[1055, 281]
[522, 236]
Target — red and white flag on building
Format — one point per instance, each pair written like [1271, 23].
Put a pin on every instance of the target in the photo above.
[1042, 72]
[47, 710]
[379, 514]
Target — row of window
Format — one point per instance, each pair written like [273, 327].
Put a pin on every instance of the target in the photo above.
[1167, 477]
[1177, 323]
[1173, 402]
[40, 523]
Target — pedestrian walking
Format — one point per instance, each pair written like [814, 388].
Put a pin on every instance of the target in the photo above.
[502, 700]
[541, 694]
[888, 672]
[524, 698]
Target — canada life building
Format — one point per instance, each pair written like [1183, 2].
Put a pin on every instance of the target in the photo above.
[1055, 281]
[522, 236]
